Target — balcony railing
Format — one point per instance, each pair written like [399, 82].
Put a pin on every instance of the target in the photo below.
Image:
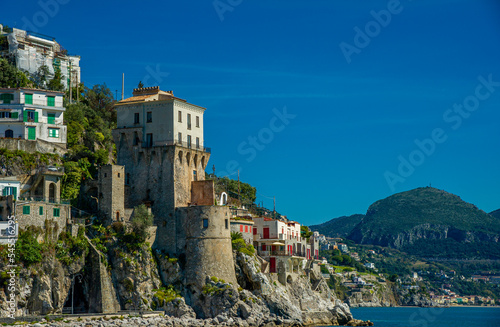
[179, 143]
[274, 236]
[42, 199]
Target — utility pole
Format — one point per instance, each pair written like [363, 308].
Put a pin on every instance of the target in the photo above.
[274, 207]
[70, 84]
[123, 84]
[239, 185]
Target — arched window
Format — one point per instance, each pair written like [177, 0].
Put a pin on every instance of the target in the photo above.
[9, 133]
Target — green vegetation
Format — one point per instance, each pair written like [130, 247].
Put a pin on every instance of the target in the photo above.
[69, 248]
[10, 76]
[25, 161]
[28, 250]
[338, 227]
[239, 244]
[247, 194]
[166, 294]
[141, 221]
[305, 232]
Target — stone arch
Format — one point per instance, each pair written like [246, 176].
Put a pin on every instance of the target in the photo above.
[9, 134]
[203, 162]
[188, 158]
[180, 154]
[136, 138]
[195, 160]
[223, 199]
[289, 279]
[52, 192]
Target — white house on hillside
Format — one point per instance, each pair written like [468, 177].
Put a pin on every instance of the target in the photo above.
[32, 114]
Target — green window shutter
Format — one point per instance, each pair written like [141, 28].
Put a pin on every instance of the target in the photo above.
[14, 192]
[51, 118]
[4, 191]
[51, 101]
[31, 133]
[14, 115]
[40, 211]
[36, 117]
[28, 98]
[56, 212]
[26, 210]
[25, 116]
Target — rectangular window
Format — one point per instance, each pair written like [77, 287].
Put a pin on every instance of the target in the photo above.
[28, 98]
[205, 223]
[6, 97]
[241, 228]
[54, 132]
[246, 229]
[197, 142]
[255, 231]
[227, 224]
[197, 121]
[57, 212]
[149, 117]
[189, 141]
[51, 101]
[32, 133]
[195, 175]
[179, 136]
[26, 210]
[51, 118]
[136, 118]
[149, 140]
[40, 211]
[10, 190]
[263, 247]
[179, 116]
[189, 121]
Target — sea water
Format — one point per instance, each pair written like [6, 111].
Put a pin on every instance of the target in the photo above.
[430, 317]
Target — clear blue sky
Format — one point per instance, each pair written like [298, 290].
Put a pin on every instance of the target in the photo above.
[357, 103]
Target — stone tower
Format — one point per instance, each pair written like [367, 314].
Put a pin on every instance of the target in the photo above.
[111, 188]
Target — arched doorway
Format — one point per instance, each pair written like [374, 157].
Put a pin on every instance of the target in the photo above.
[52, 192]
[9, 134]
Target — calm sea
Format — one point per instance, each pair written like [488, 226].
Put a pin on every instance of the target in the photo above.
[430, 317]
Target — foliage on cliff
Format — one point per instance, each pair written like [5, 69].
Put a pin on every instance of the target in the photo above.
[20, 162]
[495, 213]
[10, 76]
[338, 227]
[247, 193]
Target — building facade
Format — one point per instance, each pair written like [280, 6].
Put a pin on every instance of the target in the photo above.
[159, 140]
[32, 115]
[31, 51]
[244, 227]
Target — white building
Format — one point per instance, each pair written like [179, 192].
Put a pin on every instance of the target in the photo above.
[10, 187]
[32, 114]
[370, 265]
[32, 51]
[160, 118]
[8, 231]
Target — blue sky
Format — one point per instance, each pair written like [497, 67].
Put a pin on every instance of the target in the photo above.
[339, 118]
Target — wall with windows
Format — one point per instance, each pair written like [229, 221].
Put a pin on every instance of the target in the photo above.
[10, 188]
[245, 228]
[41, 214]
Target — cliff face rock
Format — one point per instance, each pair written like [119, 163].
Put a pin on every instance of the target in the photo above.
[42, 288]
[295, 301]
[135, 276]
[379, 296]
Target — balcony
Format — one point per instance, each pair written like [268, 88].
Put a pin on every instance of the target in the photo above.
[178, 143]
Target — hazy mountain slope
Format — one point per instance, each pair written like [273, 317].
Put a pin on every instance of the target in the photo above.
[338, 227]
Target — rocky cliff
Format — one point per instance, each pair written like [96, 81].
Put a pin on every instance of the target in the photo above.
[109, 275]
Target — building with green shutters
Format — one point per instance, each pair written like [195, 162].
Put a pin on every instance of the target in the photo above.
[33, 115]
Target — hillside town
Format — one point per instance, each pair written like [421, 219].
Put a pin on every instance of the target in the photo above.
[160, 166]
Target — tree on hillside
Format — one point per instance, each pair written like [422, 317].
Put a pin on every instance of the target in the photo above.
[141, 221]
[10, 76]
[247, 192]
[55, 84]
[100, 98]
[140, 85]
